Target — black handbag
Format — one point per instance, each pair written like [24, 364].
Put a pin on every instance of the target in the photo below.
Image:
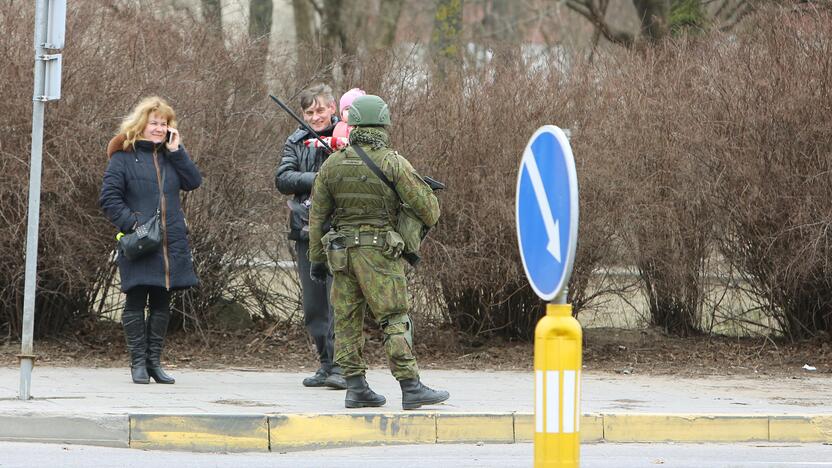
[147, 238]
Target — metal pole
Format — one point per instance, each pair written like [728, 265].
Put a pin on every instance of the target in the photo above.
[562, 297]
[27, 356]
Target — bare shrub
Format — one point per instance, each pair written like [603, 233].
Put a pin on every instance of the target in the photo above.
[770, 132]
[665, 223]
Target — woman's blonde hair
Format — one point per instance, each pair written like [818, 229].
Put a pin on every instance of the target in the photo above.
[134, 124]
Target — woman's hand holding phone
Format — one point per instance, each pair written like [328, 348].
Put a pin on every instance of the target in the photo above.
[172, 139]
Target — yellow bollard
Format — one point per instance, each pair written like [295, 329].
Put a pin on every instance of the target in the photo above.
[557, 387]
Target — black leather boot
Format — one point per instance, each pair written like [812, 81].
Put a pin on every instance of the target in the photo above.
[415, 394]
[359, 394]
[134, 331]
[157, 328]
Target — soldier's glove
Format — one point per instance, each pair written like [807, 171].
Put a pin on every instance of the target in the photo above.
[335, 143]
[318, 272]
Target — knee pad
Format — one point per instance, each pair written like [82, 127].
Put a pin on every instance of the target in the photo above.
[398, 327]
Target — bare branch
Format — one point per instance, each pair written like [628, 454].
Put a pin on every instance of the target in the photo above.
[589, 10]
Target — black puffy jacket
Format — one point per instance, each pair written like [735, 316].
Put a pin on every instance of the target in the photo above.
[130, 195]
[296, 174]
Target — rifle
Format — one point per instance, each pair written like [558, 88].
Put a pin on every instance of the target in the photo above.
[432, 183]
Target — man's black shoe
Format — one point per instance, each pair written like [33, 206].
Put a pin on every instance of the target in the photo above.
[317, 380]
[336, 381]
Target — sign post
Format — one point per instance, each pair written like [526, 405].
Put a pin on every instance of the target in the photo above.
[546, 210]
[50, 20]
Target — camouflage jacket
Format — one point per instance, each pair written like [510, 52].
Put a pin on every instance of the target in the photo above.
[348, 192]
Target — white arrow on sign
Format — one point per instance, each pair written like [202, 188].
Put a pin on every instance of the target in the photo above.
[549, 222]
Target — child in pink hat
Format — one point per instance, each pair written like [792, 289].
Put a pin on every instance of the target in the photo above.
[341, 128]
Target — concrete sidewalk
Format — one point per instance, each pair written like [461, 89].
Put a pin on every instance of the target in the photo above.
[250, 410]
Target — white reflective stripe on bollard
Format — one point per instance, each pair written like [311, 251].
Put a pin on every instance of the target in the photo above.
[559, 416]
[569, 390]
[538, 401]
[552, 401]
[578, 405]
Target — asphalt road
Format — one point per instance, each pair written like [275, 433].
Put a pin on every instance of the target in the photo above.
[457, 456]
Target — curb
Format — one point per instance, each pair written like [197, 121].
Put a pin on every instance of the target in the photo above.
[284, 432]
[100, 430]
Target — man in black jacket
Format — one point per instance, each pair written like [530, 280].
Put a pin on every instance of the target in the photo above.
[295, 176]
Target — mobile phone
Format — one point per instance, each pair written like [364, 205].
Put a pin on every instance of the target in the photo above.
[169, 137]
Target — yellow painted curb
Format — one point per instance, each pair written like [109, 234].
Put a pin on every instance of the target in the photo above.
[498, 428]
[684, 428]
[523, 427]
[246, 433]
[200, 433]
[592, 427]
[292, 431]
[805, 428]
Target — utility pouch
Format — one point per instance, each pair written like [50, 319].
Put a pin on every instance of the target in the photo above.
[394, 245]
[412, 230]
[336, 251]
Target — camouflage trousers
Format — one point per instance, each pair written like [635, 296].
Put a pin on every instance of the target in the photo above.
[376, 283]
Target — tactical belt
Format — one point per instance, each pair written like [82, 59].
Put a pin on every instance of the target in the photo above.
[372, 239]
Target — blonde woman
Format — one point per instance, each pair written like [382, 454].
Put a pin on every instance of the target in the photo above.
[147, 169]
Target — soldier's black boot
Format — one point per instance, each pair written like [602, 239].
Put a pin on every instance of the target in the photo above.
[157, 328]
[359, 394]
[415, 394]
[133, 322]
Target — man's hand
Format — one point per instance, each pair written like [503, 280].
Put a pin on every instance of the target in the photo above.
[335, 143]
[318, 272]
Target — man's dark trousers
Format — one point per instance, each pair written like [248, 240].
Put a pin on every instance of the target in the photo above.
[317, 311]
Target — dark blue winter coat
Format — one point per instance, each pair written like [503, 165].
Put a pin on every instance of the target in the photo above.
[130, 195]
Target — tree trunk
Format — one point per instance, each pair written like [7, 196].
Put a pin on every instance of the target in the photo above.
[445, 41]
[353, 33]
[331, 31]
[303, 23]
[259, 29]
[304, 38]
[388, 22]
[212, 14]
[260, 18]
[655, 18]
[501, 27]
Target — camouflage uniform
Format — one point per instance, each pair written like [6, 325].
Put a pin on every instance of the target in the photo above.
[369, 272]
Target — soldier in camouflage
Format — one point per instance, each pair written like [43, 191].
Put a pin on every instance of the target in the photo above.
[363, 252]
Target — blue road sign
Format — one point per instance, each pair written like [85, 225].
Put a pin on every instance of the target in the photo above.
[546, 209]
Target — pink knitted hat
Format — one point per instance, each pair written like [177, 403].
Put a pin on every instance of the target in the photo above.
[349, 97]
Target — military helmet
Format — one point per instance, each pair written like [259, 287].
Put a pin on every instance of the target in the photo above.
[369, 110]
